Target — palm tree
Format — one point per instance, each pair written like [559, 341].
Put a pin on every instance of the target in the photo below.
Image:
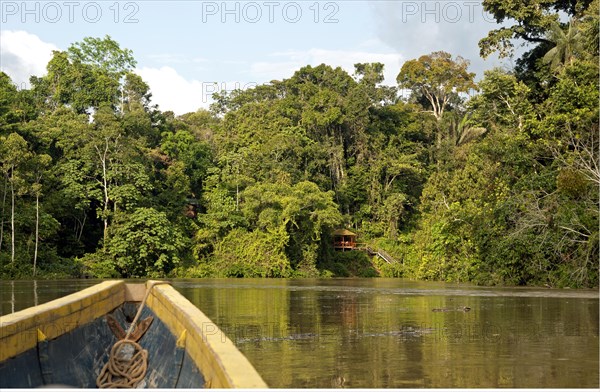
[567, 45]
[464, 131]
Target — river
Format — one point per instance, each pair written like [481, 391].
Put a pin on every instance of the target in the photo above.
[389, 333]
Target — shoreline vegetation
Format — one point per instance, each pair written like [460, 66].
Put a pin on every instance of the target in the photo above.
[493, 183]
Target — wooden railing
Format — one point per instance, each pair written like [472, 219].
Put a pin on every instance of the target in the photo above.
[378, 252]
[365, 247]
[384, 255]
[344, 244]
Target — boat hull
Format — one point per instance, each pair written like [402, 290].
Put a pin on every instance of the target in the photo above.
[68, 341]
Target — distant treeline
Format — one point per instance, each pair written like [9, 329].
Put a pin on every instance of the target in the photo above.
[496, 187]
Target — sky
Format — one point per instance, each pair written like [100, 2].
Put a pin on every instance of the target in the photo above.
[187, 50]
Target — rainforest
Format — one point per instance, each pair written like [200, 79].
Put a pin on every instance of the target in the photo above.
[491, 179]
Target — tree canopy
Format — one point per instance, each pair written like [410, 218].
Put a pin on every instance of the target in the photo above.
[494, 182]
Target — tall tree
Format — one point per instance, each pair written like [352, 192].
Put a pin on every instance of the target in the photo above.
[502, 103]
[103, 53]
[567, 45]
[85, 76]
[439, 79]
[39, 166]
[15, 154]
[532, 20]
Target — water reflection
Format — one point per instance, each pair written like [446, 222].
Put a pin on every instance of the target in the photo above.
[20, 294]
[385, 333]
[35, 293]
[12, 297]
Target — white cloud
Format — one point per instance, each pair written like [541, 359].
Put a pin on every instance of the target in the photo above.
[172, 91]
[418, 28]
[294, 60]
[23, 54]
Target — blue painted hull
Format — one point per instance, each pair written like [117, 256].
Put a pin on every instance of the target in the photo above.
[76, 358]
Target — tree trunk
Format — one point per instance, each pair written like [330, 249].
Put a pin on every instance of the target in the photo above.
[82, 226]
[37, 231]
[12, 296]
[3, 209]
[35, 293]
[105, 233]
[12, 221]
[105, 191]
[106, 201]
[438, 140]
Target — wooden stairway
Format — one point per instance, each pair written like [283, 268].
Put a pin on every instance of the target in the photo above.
[379, 253]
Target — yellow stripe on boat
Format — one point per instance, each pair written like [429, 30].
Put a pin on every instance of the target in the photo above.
[19, 330]
[219, 360]
[222, 365]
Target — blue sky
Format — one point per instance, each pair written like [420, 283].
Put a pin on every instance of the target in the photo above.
[188, 49]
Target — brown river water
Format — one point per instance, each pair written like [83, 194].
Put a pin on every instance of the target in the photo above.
[388, 333]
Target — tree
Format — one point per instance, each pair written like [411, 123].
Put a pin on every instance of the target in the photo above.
[502, 103]
[302, 212]
[590, 30]
[145, 243]
[195, 156]
[103, 53]
[501, 188]
[393, 209]
[252, 254]
[568, 45]
[8, 93]
[532, 21]
[15, 154]
[110, 161]
[370, 76]
[222, 216]
[439, 79]
[85, 76]
[61, 134]
[40, 164]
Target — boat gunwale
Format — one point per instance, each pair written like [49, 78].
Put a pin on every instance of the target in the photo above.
[20, 331]
[217, 358]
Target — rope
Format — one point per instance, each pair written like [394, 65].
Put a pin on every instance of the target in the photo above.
[128, 361]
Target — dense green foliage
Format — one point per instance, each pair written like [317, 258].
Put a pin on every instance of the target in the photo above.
[496, 187]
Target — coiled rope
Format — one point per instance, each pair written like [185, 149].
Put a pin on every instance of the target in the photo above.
[128, 361]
